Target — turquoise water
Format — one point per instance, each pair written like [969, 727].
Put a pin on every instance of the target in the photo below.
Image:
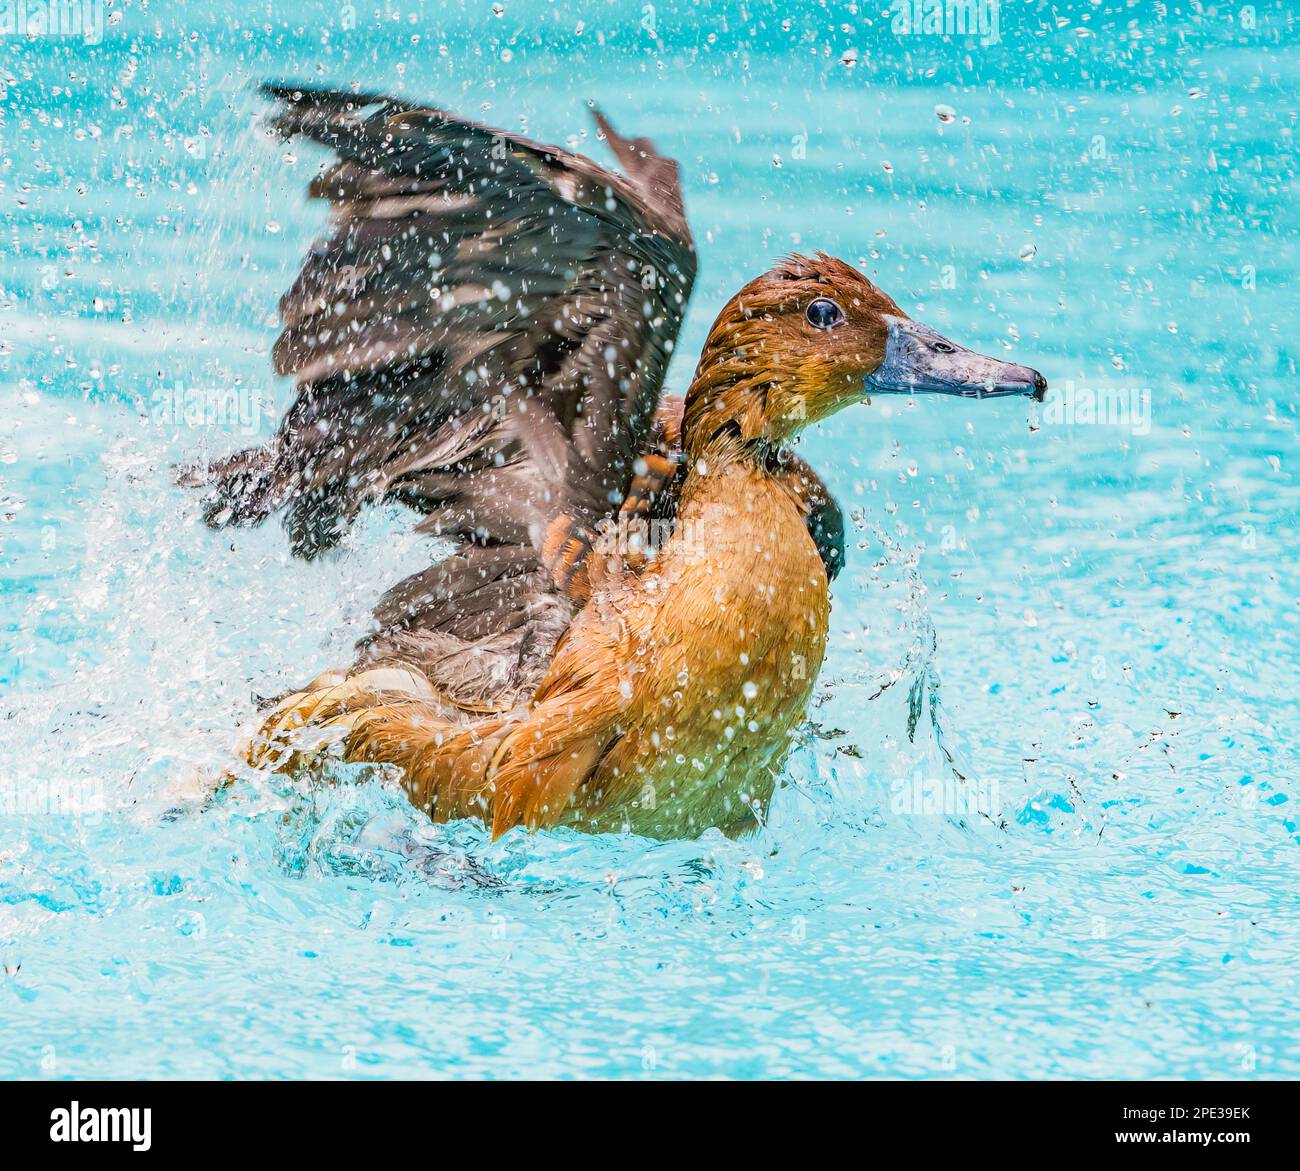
[1094, 623]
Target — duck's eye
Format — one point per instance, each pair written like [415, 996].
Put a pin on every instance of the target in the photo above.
[823, 313]
[944, 347]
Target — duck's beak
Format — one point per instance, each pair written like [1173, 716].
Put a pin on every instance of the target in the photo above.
[919, 359]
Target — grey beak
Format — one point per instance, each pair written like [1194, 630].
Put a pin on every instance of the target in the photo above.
[919, 359]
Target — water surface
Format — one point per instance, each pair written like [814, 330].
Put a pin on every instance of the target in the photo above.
[1094, 624]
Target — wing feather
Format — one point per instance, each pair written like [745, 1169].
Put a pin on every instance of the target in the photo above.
[482, 336]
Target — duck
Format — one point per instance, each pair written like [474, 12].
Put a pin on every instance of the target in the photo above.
[630, 604]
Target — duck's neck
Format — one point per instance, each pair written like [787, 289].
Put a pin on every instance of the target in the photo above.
[725, 448]
[729, 411]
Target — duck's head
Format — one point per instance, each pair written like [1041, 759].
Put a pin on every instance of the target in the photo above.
[814, 335]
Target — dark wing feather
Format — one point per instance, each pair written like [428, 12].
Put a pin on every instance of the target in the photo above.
[483, 337]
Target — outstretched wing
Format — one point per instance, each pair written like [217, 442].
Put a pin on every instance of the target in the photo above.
[482, 336]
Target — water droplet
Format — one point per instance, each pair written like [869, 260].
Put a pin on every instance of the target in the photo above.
[1028, 252]
[945, 114]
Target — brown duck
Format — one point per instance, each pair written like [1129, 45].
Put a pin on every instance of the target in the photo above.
[631, 623]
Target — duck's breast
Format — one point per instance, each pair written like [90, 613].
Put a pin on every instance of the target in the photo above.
[722, 662]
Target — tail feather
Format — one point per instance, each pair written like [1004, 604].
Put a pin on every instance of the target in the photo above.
[536, 791]
[551, 754]
[447, 769]
[522, 768]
